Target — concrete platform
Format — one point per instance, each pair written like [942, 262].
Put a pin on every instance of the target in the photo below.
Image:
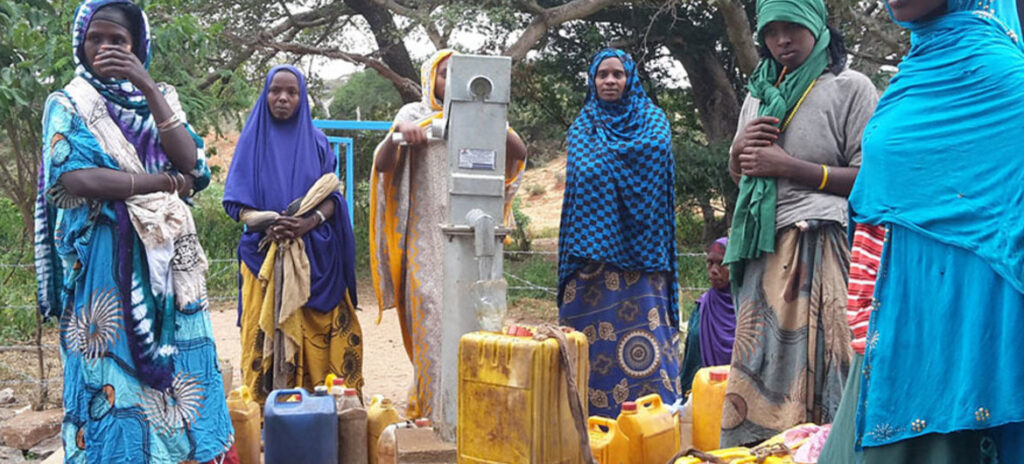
[422, 446]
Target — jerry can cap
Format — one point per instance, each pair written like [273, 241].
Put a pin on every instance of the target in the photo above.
[718, 375]
[339, 382]
[629, 406]
[351, 392]
[422, 422]
[320, 390]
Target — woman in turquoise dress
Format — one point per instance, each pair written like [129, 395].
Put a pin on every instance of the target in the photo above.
[118, 259]
[942, 184]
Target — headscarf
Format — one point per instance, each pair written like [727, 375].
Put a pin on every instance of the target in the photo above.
[717, 320]
[619, 199]
[941, 155]
[125, 103]
[275, 163]
[753, 225]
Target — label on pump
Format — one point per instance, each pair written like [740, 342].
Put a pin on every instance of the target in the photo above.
[477, 158]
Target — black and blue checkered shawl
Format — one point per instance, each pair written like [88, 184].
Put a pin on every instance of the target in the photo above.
[619, 185]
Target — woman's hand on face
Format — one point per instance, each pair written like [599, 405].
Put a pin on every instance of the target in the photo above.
[412, 133]
[290, 227]
[765, 161]
[122, 64]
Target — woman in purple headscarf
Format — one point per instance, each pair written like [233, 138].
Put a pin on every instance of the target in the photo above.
[297, 254]
[712, 325]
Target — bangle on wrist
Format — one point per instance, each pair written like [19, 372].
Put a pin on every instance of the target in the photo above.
[131, 190]
[170, 182]
[320, 215]
[824, 177]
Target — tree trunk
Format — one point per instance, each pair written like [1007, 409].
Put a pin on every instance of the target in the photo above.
[717, 104]
[389, 43]
[737, 27]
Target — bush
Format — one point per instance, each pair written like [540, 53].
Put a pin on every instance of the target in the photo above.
[520, 234]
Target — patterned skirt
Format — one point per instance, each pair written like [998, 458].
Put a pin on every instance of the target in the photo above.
[331, 344]
[633, 349]
[792, 349]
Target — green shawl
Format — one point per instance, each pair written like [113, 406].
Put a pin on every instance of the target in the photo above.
[753, 226]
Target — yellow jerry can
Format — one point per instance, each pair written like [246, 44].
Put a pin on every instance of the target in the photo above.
[513, 400]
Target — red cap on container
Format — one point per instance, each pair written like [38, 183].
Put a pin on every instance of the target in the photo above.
[422, 422]
[351, 392]
[719, 375]
[629, 406]
[339, 382]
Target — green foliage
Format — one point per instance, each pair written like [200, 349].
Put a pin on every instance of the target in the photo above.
[374, 96]
[703, 183]
[520, 236]
[17, 279]
[361, 228]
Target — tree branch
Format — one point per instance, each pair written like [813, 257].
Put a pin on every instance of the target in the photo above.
[548, 18]
[402, 83]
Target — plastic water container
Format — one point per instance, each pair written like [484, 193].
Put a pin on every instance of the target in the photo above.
[684, 421]
[379, 415]
[708, 397]
[352, 435]
[608, 444]
[651, 429]
[387, 445]
[227, 374]
[245, 418]
[513, 400]
[300, 427]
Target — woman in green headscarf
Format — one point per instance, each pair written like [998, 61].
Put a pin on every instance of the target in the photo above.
[795, 155]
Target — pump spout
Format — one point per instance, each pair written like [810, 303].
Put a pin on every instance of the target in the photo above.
[489, 292]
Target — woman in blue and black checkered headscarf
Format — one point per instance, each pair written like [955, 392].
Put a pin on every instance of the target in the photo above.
[616, 246]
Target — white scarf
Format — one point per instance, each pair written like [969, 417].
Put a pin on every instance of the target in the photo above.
[163, 221]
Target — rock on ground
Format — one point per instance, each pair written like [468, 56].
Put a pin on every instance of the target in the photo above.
[31, 427]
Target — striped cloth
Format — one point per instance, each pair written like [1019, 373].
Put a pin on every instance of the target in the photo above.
[865, 259]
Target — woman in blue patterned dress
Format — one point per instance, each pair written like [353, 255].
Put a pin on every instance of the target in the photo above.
[616, 244]
[118, 259]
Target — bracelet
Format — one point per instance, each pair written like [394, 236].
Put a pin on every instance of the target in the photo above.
[824, 177]
[131, 191]
[169, 123]
[181, 176]
[171, 181]
[322, 217]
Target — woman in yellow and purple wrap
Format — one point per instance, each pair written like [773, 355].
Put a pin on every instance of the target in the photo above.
[297, 255]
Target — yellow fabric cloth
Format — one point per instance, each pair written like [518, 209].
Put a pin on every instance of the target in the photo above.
[290, 258]
[311, 346]
[330, 343]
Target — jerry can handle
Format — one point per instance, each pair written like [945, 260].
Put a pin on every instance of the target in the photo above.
[650, 401]
[245, 393]
[275, 397]
[598, 424]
